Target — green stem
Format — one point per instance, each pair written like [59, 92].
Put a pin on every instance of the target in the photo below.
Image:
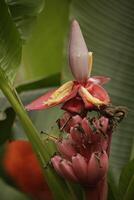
[71, 191]
[56, 184]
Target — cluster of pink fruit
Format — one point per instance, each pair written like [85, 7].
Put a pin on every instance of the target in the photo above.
[83, 154]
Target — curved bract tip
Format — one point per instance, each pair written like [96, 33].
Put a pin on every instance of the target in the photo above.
[79, 58]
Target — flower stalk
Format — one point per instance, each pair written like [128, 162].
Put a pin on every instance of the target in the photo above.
[98, 192]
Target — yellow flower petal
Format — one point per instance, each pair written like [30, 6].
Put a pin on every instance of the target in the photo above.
[60, 93]
[85, 94]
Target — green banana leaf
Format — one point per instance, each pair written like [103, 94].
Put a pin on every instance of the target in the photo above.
[44, 53]
[24, 14]
[10, 43]
[49, 81]
[7, 192]
[126, 183]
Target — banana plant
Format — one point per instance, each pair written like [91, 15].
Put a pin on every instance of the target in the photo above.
[108, 31]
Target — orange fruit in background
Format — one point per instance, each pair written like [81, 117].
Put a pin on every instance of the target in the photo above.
[21, 164]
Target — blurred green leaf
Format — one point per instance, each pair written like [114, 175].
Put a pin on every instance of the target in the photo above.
[6, 124]
[50, 81]
[44, 120]
[10, 43]
[7, 192]
[24, 13]
[30, 90]
[108, 28]
[112, 187]
[126, 183]
[44, 54]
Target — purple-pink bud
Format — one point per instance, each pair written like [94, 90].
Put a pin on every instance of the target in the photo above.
[97, 167]
[80, 167]
[78, 54]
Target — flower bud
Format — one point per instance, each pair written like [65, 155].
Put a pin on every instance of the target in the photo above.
[79, 58]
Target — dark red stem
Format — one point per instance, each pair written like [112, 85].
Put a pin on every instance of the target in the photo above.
[98, 192]
[92, 193]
